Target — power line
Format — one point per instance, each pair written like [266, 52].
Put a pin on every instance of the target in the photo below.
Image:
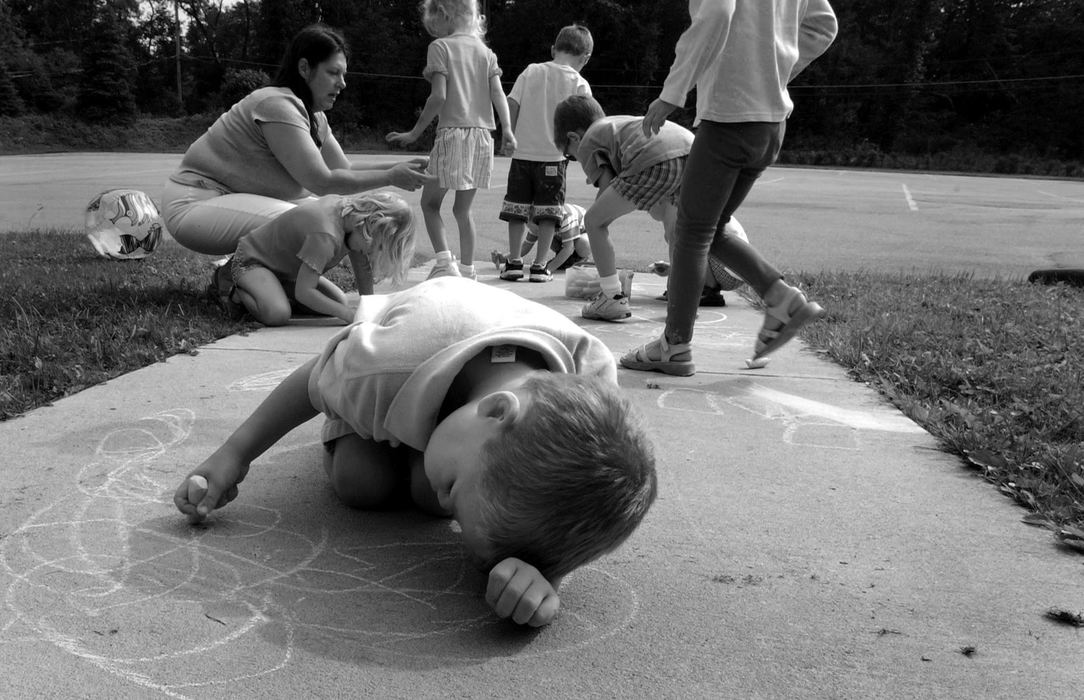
[985, 81]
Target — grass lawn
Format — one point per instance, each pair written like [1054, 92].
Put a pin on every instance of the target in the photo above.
[993, 369]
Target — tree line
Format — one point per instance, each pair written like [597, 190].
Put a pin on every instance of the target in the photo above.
[910, 77]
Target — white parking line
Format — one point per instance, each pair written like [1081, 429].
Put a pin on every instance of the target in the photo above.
[1058, 196]
[910, 200]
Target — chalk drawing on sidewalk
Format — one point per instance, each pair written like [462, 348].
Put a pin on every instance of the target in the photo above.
[260, 382]
[237, 599]
[806, 422]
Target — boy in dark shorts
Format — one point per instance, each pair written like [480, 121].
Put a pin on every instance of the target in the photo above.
[536, 176]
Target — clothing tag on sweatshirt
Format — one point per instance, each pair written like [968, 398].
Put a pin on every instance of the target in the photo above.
[502, 353]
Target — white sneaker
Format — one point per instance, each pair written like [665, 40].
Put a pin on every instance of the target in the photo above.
[467, 271]
[604, 308]
[444, 268]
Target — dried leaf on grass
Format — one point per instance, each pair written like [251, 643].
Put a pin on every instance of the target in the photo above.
[1039, 520]
[1065, 617]
[1071, 537]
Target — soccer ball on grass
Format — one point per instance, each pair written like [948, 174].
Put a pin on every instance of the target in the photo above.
[123, 224]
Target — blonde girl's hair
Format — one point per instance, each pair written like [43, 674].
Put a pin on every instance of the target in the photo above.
[444, 17]
[389, 221]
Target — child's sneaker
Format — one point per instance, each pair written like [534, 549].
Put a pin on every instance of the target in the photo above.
[604, 308]
[444, 268]
[539, 273]
[512, 271]
[467, 271]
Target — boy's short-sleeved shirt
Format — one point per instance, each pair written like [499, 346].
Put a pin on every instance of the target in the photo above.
[234, 153]
[538, 90]
[385, 376]
[467, 64]
[618, 143]
[311, 234]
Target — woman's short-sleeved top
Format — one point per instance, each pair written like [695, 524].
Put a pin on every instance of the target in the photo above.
[233, 154]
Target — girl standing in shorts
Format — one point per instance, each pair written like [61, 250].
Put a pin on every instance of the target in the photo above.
[465, 88]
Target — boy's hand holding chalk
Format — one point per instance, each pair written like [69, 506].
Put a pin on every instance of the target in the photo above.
[197, 489]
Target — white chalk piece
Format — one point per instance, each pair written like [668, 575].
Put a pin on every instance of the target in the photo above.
[757, 364]
[197, 488]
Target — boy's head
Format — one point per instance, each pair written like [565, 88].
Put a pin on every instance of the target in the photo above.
[570, 479]
[571, 118]
[576, 43]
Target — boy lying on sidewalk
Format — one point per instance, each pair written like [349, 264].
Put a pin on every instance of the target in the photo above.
[476, 404]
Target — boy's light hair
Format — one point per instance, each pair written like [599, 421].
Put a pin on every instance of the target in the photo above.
[389, 221]
[571, 479]
[443, 17]
[575, 39]
[576, 113]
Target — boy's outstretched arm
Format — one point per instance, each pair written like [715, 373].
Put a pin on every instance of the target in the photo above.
[285, 408]
[519, 591]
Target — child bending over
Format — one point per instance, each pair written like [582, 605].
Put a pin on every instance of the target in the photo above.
[465, 88]
[569, 243]
[279, 265]
[482, 406]
[631, 171]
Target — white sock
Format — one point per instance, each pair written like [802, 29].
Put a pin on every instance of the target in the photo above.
[466, 269]
[444, 256]
[611, 285]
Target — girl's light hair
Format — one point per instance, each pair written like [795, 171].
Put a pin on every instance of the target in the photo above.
[389, 221]
[444, 17]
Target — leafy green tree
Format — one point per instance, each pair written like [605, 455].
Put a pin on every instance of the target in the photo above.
[106, 90]
[239, 83]
[54, 22]
[634, 42]
[154, 53]
[11, 105]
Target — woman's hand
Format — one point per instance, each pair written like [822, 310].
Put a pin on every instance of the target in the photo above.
[409, 176]
[656, 115]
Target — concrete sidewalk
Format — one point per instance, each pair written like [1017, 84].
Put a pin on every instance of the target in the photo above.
[808, 541]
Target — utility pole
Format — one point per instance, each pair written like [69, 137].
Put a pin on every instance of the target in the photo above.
[177, 48]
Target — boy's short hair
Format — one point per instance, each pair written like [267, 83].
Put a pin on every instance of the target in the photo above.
[575, 39]
[576, 113]
[571, 479]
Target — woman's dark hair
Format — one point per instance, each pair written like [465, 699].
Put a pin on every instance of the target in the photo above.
[315, 43]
